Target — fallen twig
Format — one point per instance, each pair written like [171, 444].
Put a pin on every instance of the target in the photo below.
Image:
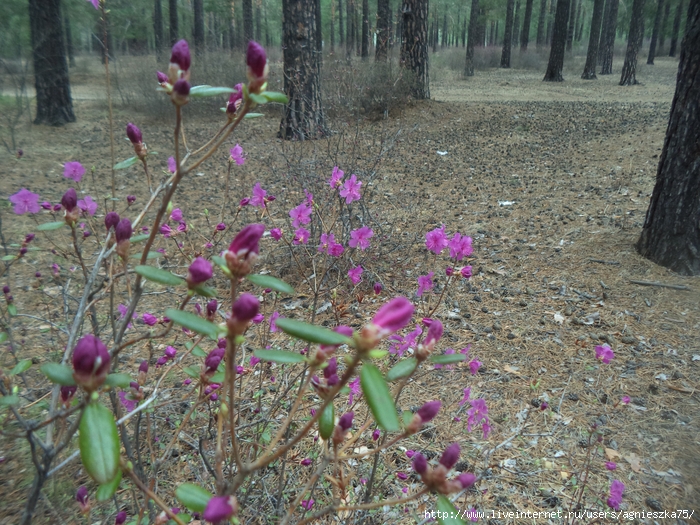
[601, 261]
[661, 285]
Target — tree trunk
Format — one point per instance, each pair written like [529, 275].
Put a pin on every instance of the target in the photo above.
[671, 236]
[508, 36]
[158, 29]
[69, 42]
[54, 105]
[303, 115]
[358, 31]
[676, 29]
[341, 32]
[444, 41]
[414, 47]
[593, 41]
[198, 29]
[550, 21]
[525, 34]
[572, 26]
[664, 25]
[634, 37]
[579, 25]
[471, 39]
[556, 54]
[332, 26]
[258, 23]
[350, 32]
[248, 22]
[541, 31]
[655, 32]
[383, 30]
[516, 24]
[365, 29]
[608, 39]
[174, 31]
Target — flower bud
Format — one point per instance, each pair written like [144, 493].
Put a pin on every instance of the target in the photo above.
[123, 230]
[181, 93]
[134, 134]
[143, 367]
[90, 362]
[82, 497]
[450, 456]
[130, 199]
[170, 352]
[420, 464]
[434, 332]
[111, 220]
[393, 316]
[424, 414]
[244, 249]
[180, 61]
[258, 69]
[345, 421]
[466, 272]
[29, 237]
[212, 306]
[162, 77]
[120, 519]
[200, 271]
[234, 101]
[213, 359]
[466, 480]
[378, 288]
[220, 509]
[245, 307]
[67, 393]
[69, 199]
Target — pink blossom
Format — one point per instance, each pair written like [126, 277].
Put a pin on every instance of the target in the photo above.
[478, 413]
[336, 177]
[355, 274]
[25, 202]
[149, 319]
[617, 488]
[258, 198]
[301, 236]
[467, 393]
[460, 247]
[626, 400]
[166, 230]
[273, 318]
[360, 237]
[95, 3]
[327, 239]
[276, 234]
[88, 205]
[73, 170]
[402, 344]
[425, 283]
[300, 215]
[351, 189]
[172, 165]
[306, 504]
[254, 360]
[354, 390]
[125, 400]
[474, 366]
[259, 318]
[436, 240]
[335, 250]
[610, 465]
[604, 353]
[176, 215]
[466, 272]
[237, 155]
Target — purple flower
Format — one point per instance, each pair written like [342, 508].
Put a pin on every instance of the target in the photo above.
[305, 462]
[425, 283]
[259, 318]
[420, 464]
[234, 101]
[604, 353]
[123, 230]
[449, 271]
[474, 366]
[351, 189]
[130, 199]
[273, 318]
[73, 170]
[69, 200]
[327, 239]
[121, 517]
[258, 198]
[212, 306]
[460, 246]
[170, 352]
[134, 134]
[95, 3]
[377, 288]
[434, 332]
[466, 272]
[478, 412]
[176, 215]
[355, 274]
[220, 509]
[301, 236]
[181, 92]
[610, 465]
[410, 453]
[245, 308]
[149, 319]
[161, 77]
[617, 488]
[128, 403]
[25, 202]
[111, 220]
[436, 240]
[360, 237]
[81, 495]
[67, 393]
[166, 231]
[200, 271]
[428, 411]
[450, 456]
[237, 155]
[245, 244]
[244, 202]
[300, 215]
[88, 205]
[336, 178]
[90, 362]
[276, 234]
[213, 359]
[466, 479]
[335, 250]
[354, 389]
[45, 205]
[254, 360]
[306, 504]
[256, 60]
[402, 476]
[143, 367]
[180, 55]
[376, 434]
[172, 165]
[345, 421]
[393, 316]
[625, 400]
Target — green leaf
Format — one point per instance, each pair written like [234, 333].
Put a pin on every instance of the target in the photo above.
[107, 490]
[221, 263]
[274, 96]
[379, 398]
[279, 356]
[192, 371]
[139, 238]
[197, 351]
[254, 115]
[99, 443]
[258, 99]
[448, 514]
[311, 333]
[57, 373]
[126, 163]
[209, 91]
[377, 354]
[3, 337]
[402, 369]
[48, 226]
[205, 291]
[267, 281]
[20, 367]
[151, 255]
[159, 276]
[120, 380]
[12, 309]
[218, 377]
[193, 496]
[446, 359]
[194, 323]
[9, 257]
[326, 423]
[6, 401]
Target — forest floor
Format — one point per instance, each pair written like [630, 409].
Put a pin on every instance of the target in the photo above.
[552, 182]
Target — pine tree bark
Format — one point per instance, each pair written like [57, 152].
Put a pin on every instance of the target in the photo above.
[671, 232]
[471, 39]
[350, 33]
[593, 41]
[556, 54]
[303, 118]
[579, 24]
[158, 29]
[634, 39]
[655, 32]
[383, 30]
[676, 29]
[608, 39]
[69, 42]
[550, 21]
[174, 29]
[414, 47]
[572, 26]
[664, 25]
[444, 43]
[248, 21]
[508, 36]
[332, 26]
[54, 105]
[541, 31]
[198, 28]
[341, 32]
[525, 34]
[516, 24]
[365, 29]
[258, 22]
